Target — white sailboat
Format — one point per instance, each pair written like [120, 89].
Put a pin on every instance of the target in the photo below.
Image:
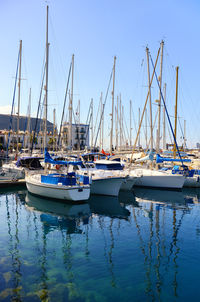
[57, 186]
[102, 182]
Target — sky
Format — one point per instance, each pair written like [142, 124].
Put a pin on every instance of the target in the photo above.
[95, 31]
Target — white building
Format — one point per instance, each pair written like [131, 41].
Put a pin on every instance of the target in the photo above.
[80, 136]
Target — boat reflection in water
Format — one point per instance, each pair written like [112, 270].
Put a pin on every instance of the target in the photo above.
[59, 215]
[141, 246]
[108, 206]
[166, 196]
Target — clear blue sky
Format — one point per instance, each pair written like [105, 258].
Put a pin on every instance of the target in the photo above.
[95, 31]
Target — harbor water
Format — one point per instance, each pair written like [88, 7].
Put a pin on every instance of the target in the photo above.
[142, 246]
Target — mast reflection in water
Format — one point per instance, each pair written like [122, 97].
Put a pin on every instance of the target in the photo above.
[143, 245]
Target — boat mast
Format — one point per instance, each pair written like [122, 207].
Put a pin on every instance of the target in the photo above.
[102, 137]
[150, 104]
[176, 103]
[19, 92]
[138, 127]
[71, 105]
[46, 84]
[184, 135]
[29, 122]
[117, 123]
[79, 121]
[92, 126]
[130, 123]
[113, 91]
[164, 129]
[54, 129]
[159, 102]
[120, 121]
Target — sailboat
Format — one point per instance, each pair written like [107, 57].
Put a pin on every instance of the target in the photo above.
[56, 186]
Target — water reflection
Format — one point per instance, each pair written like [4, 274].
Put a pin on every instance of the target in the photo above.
[93, 251]
[108, 206]
[58, 215]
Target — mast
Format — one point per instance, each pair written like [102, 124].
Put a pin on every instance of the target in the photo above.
[176, 103]
[164, 129]
[150, 104]
[71, 105]
[116, 124]
[54, 129]
[146, 127]
[184, 135]
[120, 121]
[29, 122]
[19, 91]
[113, 91]
[159, 103]
[138, 127]
[46, 84]
[92, 126]
[130, 123]
[79, 121]
[100, 136]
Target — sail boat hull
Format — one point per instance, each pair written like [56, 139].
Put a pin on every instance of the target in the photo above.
[157, 179]
[71, 193]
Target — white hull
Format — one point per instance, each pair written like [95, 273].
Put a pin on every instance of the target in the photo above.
[192, 182]
[18, 173]
[107, 186]
[71, 193]
[156, 179]
[128, 183]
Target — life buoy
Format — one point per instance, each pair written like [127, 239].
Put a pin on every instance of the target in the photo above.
[57, 167]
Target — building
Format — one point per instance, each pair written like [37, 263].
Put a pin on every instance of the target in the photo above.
[80, 136]
[24, 137]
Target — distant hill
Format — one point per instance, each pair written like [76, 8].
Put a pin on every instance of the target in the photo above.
[5, 123]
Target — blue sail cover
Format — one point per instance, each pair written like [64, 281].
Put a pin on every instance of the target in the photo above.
[160, 159]
[50, 160]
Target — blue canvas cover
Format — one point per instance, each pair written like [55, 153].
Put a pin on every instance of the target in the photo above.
[50, 160]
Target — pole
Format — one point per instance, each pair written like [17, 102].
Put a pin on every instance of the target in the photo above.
[92, 126]
[138, 126]
[184, 135]
[130, 123]
[29, 122]
[113, 91]
[159, 103]
[164, 123]
[54, 128]
[19, 91]
[150, 104]
[46, 84]
[117, 122]
[101, 107]
[176, 103]
[120, 121]
[71, 105]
